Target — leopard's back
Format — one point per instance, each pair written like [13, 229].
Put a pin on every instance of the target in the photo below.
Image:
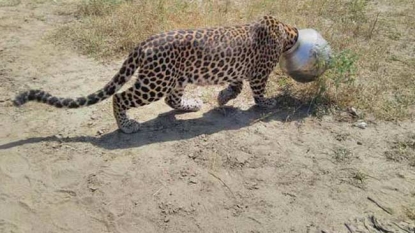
[201, 56]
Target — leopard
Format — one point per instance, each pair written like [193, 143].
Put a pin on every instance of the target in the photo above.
[169, 61]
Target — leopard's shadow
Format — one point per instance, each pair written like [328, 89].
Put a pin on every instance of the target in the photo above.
[165, 127]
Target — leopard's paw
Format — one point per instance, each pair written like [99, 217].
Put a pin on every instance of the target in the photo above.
[225, 96]
[129, 126]
[191, 105]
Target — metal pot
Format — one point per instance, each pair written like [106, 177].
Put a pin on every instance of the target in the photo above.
[308, 58]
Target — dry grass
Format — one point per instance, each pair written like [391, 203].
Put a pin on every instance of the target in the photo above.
[342, 155]
[374, 41]
[403, 150]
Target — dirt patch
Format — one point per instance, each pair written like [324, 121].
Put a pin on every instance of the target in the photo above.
[238, 169]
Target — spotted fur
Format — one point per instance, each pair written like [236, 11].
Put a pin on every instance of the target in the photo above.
[167, 62]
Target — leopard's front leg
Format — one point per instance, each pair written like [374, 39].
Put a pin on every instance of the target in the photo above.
[258, 86]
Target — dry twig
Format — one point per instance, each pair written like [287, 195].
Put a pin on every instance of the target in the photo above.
[377, 225]
[386, 209]
[217, 177]
[348, 228]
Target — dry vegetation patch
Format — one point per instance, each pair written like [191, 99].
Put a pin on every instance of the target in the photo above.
[403, 150]
[374, 58]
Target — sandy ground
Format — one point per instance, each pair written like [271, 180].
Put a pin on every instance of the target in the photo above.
[211, 171]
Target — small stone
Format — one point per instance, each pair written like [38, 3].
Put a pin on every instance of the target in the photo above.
[59, 136]
[359, 143]
[242, 157]
[252, 186]
[353, 111]
[100, 132]
[361, 124]
[167, 219]
[184, 173]
[192, 180]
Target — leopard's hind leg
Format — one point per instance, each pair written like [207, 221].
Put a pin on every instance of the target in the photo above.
[133, 97]
[175, 100]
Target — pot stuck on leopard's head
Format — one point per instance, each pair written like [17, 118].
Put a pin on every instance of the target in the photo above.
[308, 59]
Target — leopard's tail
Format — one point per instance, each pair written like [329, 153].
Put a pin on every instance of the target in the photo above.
[123, 75]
